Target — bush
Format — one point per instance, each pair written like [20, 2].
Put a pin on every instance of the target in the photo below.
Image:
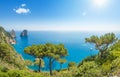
[4, 69]
[89, 69]
[116, 63]
[23, 73]
[2, 74]
[106, 68]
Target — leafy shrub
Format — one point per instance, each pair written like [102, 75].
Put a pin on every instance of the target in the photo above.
[89, 69]
[116, 63]
[4, 69]
[106, 68]
[2, 74]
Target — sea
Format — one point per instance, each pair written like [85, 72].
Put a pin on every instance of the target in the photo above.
[74, 42]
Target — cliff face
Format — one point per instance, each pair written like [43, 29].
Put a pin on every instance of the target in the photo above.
[24, 33]
[12, 33]
[3, 32]
[6, 37]
[9, 58]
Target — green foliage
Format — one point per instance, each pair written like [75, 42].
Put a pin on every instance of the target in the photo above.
[9, 59]
[89, 69]
[2, 74]
[28, 62]
[115, 46]
[17, 73]
[2, 30]
[116, 64]
[32, 50]
[61, 61]
[115, 49]
[95, 66]
[38, 52]
[37, 62]
[106, 68]
[90, 58]
[12, 64]
[71, 64]
[4, 69]
[56, 51]
[23, 73]
[4, 36]
[53, 52]
[103, 42]
[8, 55]
[4, 51]
[115, 53]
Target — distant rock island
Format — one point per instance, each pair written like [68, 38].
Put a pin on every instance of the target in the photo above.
[12, 33]
[24, 33]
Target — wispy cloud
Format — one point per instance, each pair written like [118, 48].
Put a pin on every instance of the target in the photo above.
[22, 9]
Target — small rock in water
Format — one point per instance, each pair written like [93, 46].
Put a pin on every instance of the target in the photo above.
[24, 33]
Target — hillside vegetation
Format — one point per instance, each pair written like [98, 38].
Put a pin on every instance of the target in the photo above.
[105, 64]
[9, 58]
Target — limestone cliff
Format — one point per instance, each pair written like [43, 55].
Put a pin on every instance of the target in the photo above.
[12, 33]
[24, 33]
[5, 37]
[9, 58]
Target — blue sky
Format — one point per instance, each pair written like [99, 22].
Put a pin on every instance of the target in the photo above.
[60, 15]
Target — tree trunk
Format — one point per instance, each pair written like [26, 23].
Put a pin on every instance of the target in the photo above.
[50, 66]
[102, 54]
[39, 64]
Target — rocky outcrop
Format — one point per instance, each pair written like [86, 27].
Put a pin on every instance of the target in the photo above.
[13, 59]
[5, 37]
[24, 33]
[12, 41]
[13, 34]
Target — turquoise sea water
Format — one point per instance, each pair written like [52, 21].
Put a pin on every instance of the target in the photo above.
[73, 41]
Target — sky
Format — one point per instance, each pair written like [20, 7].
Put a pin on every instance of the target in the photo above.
[60, 15]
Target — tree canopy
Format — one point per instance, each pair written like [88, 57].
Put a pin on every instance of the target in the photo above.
[103, 42]
[54, 52]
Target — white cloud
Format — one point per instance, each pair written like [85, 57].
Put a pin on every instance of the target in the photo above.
[22, 9]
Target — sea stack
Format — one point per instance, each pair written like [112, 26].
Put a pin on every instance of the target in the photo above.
[13, 34]
[24, 33]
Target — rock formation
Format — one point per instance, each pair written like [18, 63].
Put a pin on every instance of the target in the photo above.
[24, 33]
[13, 34]
[10, 59]
[5, 37]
